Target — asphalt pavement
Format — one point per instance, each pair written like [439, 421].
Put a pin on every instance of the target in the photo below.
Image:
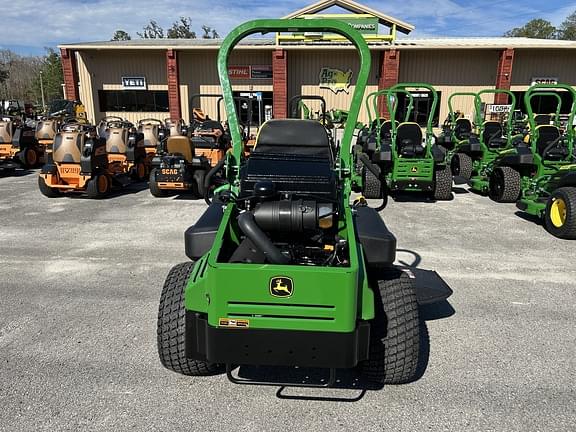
[79, 287]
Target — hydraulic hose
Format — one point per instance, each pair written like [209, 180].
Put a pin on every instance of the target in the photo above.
[208, 179]
[248, 225]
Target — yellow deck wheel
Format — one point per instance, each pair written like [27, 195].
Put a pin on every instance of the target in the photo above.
[558, 212]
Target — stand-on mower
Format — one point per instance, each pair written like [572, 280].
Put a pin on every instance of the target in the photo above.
[83, 162]
[185, 159]
[18, 145]
[284, 271]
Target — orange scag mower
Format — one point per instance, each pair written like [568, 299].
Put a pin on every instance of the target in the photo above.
[83, 162]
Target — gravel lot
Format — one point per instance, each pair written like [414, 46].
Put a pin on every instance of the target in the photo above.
[79, 288]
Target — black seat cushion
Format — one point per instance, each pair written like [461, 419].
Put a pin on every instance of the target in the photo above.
[542, 119]
[293, 136]
[492, 134]
[462, 128]
[386, 130]
[547, 134]
[409, 140]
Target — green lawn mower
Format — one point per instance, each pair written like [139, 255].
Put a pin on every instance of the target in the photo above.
[284, 271]
[543, 175]
[493, 138]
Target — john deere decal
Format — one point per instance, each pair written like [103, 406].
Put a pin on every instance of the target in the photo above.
[335, 79]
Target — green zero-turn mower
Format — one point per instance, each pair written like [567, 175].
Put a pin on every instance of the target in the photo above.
[284, 271]
[475, 157]
[543, 175]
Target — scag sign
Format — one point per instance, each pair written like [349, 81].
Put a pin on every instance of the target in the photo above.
[544, 80]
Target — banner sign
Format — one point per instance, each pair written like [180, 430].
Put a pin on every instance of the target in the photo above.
[335, 79]
[544, 80]
[250, 72]
[134, 83]
[239, 72]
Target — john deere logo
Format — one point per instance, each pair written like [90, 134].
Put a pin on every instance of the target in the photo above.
[335, 79]
[281, 286]
[414, 169]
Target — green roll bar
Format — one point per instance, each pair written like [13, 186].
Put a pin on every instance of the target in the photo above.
[263, 26]
[451, 107]
[569, 129]
[391, 101]
[558, 103]
[480, 120]
[376, 94]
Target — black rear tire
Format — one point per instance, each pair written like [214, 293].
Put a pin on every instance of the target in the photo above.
[172, 326]
[504, 185]
[394, 332]
[29, 158]
[154, 189]
[98, 186]
[461, 166]
[566, 227]
[372, 184]
[46, 190]
[443, 184]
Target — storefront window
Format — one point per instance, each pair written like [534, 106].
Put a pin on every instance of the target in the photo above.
[133, 100]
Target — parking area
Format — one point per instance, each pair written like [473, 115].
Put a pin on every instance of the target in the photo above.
[79, 288]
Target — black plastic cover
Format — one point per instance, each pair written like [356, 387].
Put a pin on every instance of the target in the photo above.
[523, 156]
[198, 239]
[378, 243]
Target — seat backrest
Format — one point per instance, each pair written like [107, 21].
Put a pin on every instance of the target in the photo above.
[150, 132]
[542, 119]
[293, 136]
[462, 128]
[116, 140]
[492, 129]
[46, 129]
[5, 132]
[181, 145]
[67, 147]
[546, 135]
[175, 129]
[408, 135]
[386, 130]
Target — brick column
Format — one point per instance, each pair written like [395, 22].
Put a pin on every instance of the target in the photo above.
[389, 72]
[70, 74]
[173, 84]
[280, 84]
[504, 74]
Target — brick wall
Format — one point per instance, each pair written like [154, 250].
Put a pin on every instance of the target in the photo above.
[280, 83]
[389, 71]
[173, 84]
[70, 74]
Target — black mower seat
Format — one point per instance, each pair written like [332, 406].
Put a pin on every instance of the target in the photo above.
[202, 138]
[294, 137]
[116, 140]
[67, 147]
[386, 130]
[6, 132]
[150, 132]
[462, 129]
[492, 134]
[409, 140]
[542, 119]
[547, 134]
[375, 123]
[180, 145]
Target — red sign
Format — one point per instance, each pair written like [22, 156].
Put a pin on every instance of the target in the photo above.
[239, 72]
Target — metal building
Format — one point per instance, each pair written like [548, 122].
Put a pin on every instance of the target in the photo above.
[138, 79]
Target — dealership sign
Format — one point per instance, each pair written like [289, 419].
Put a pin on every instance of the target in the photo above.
[335, 79]
[250, 72]
[544, 80]
[134, 83]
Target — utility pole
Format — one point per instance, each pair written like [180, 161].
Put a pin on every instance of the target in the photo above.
[42, 91]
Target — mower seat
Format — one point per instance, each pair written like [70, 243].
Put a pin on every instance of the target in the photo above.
[68, 147]
[6, 130]
[409, 140]
[150, 132]
[492, 134]
[547, 134]
[542, 119]
[374, 124]
[180, 145]
[462, 129]
[208, 135]
[386, 131]
[46, 130]
[294, 137]
[175, 128]
[116, 140]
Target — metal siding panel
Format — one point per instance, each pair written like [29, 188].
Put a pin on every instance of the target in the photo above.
[86, 90]
[542, 63]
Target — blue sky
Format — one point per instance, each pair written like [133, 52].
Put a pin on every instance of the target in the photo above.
[30, 25]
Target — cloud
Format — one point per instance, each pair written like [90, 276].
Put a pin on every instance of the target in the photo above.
[39, 23]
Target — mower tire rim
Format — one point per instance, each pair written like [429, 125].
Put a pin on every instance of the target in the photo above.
[31, 158]
[141, 170]
[102, 184]
[558, 213]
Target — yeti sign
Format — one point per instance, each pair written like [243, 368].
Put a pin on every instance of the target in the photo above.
[335, 79]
